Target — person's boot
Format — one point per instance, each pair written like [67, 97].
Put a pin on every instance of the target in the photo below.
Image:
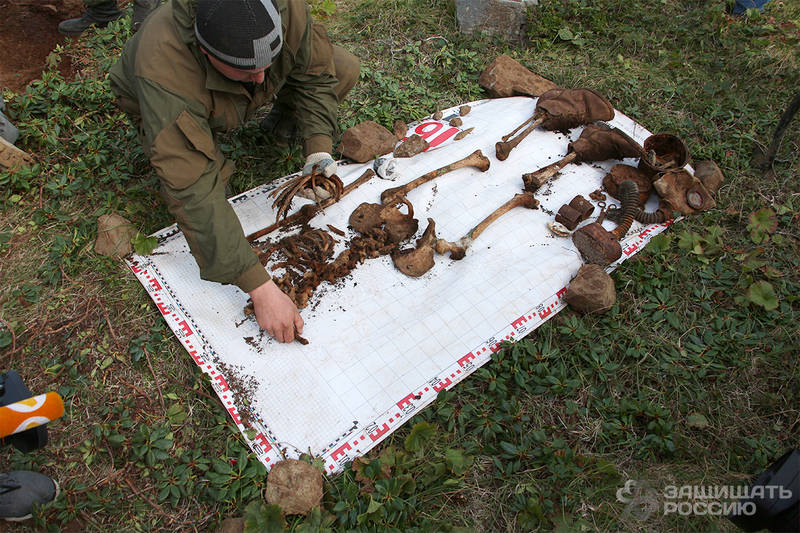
[95, 15]
[142, 8]
[280, 125]
[21, 490]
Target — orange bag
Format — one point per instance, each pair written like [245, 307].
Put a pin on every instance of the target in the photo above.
[29, 413]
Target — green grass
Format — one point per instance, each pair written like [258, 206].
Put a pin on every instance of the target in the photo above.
[539, 439]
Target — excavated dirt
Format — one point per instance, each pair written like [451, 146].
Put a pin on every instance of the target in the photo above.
[28, 33]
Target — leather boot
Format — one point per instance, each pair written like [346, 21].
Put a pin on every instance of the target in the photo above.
[98, 15]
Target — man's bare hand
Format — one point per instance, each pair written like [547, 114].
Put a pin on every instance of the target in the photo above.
[275, 312]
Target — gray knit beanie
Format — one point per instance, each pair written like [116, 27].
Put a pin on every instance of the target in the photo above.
[244, 34]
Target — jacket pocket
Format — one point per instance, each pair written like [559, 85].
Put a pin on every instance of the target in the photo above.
[321, 61]
[182, 151]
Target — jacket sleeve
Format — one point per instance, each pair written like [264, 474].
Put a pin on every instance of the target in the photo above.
[193, 173]
[311, 84]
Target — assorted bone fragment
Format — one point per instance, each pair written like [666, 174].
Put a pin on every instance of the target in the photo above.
[596, 143]
[332, 187]
[307, 257]
[397, 225]
[461, 134]
[417, 261]
[308, 211]
[413, 145]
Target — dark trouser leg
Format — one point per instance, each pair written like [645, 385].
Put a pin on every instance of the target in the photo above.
[98, 13]
[348, 67]
[280, 123]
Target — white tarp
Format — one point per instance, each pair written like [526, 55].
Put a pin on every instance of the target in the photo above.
[382, 344]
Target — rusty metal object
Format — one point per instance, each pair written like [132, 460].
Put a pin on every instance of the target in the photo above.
[569, 217]
[475, 159]
[663, 152]
[683, 192]
[622, 172]
[645, 217]
[597, 195]
[458, 249]
[582, 206]
[601, 247]
[559, 110]
[417, 261]
[308, 211]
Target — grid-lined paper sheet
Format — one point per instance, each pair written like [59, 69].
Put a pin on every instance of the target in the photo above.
[382, 344]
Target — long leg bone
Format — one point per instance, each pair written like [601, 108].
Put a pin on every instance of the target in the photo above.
[534, 180]
[458, 249]
[475, 159]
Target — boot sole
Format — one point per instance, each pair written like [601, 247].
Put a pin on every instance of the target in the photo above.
[30, 515]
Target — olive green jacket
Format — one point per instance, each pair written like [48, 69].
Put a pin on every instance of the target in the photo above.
[182, 103]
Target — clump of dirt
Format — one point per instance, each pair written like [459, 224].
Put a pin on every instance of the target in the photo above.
[28, 33]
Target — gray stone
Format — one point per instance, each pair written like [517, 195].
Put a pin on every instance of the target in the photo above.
[506, 18]
[591, 290]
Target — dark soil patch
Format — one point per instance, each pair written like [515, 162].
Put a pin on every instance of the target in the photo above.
[28, 33]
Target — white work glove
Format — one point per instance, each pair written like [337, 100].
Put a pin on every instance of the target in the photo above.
[323, 162]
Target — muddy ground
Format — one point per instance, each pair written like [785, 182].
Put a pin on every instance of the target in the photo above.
[28, 33]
